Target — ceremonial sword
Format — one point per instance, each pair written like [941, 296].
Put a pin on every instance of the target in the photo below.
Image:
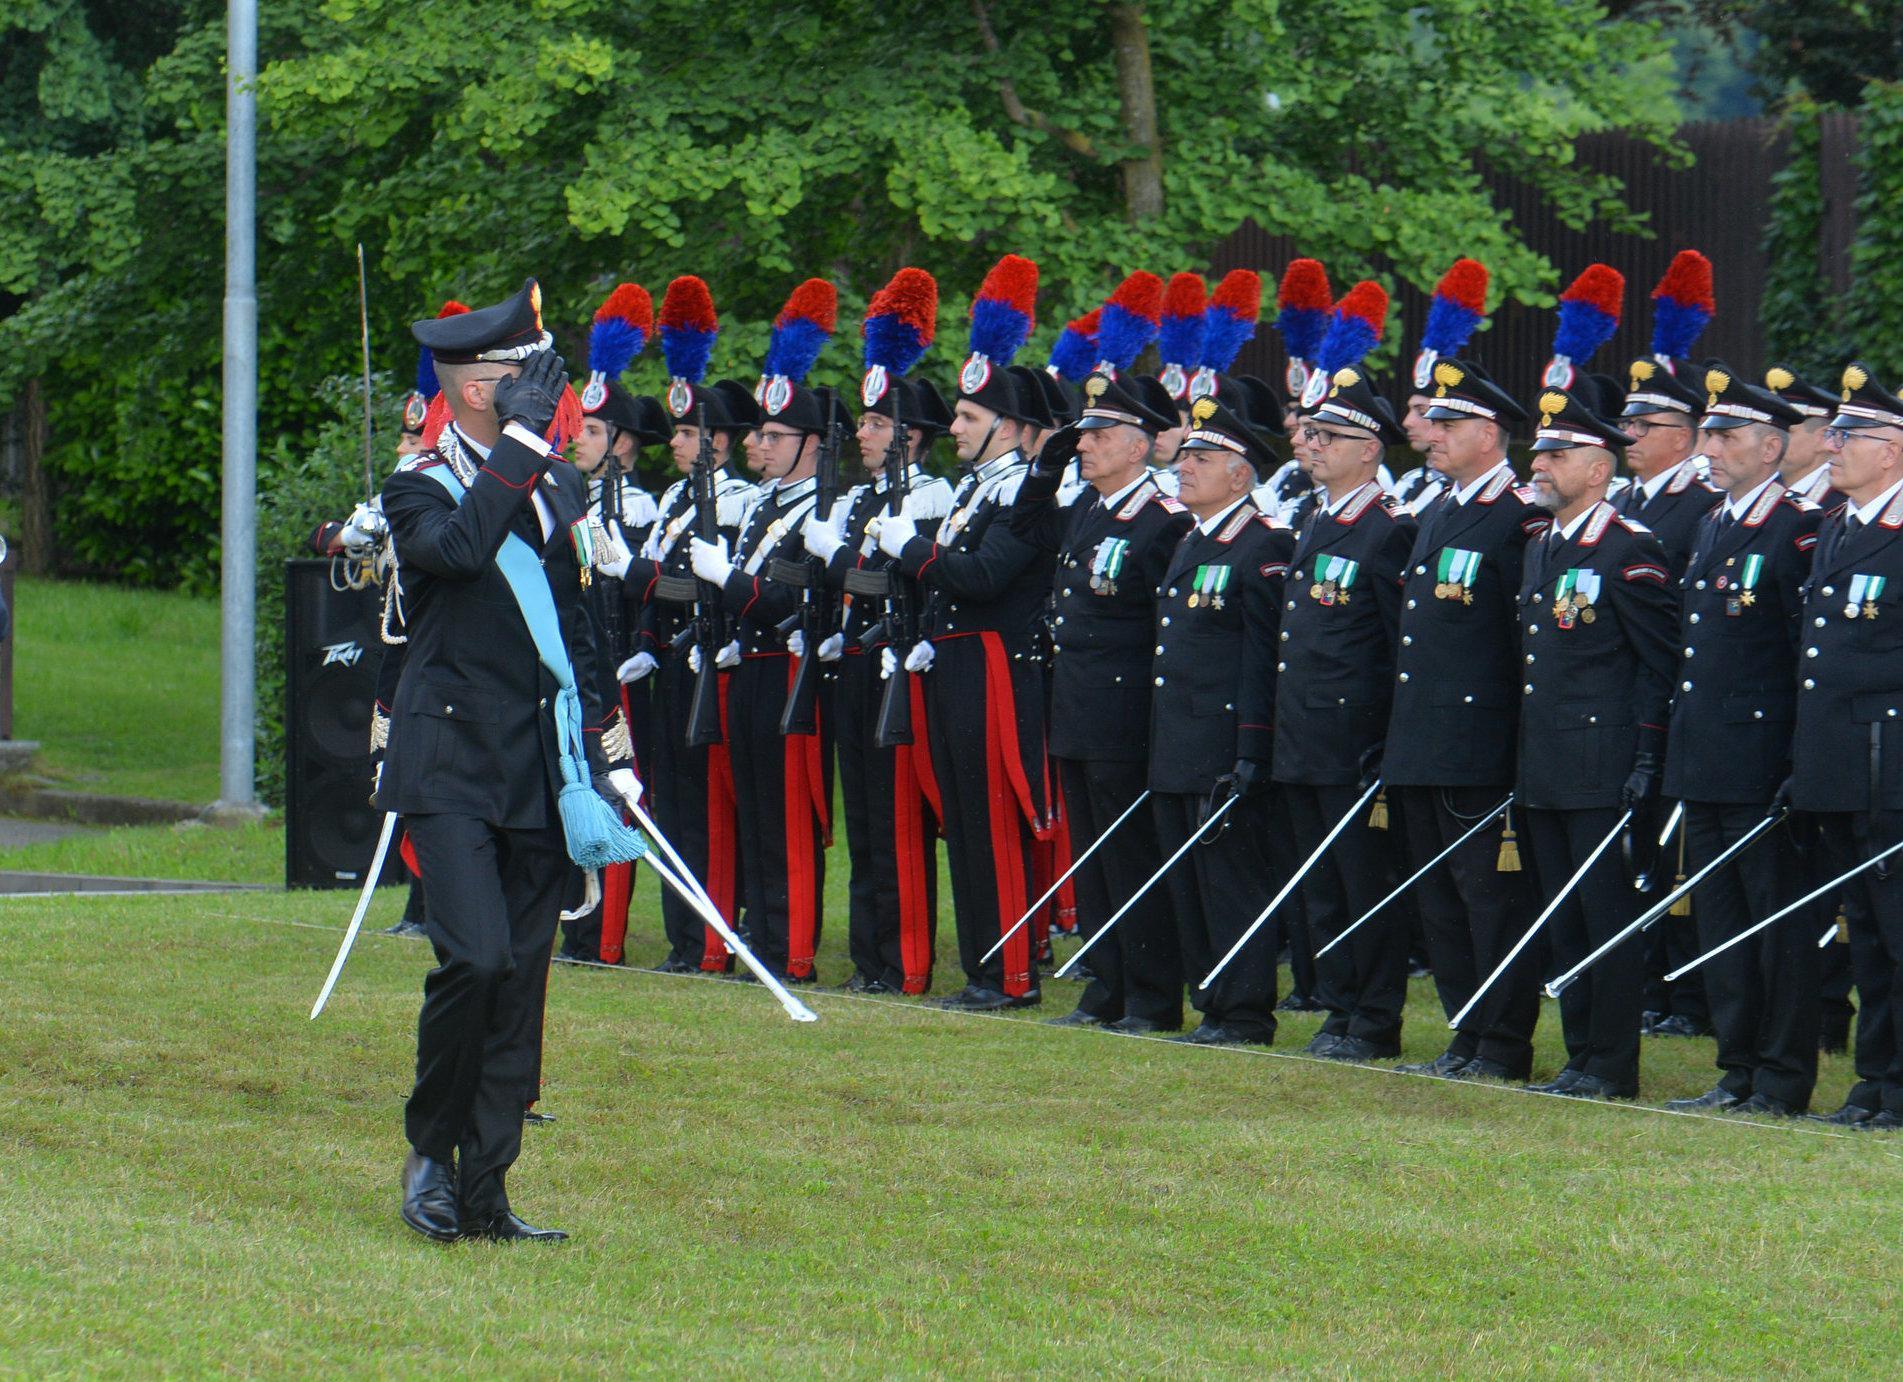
[1076, 864]
[1471, 831]
[356, 917]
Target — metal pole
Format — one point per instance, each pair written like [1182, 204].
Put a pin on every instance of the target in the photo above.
[238, 575]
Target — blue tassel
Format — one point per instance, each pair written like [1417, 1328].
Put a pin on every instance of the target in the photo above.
[595, 834]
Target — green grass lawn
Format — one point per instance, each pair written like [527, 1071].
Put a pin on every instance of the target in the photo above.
[251, 853]
[198, 1178]
[120, 687]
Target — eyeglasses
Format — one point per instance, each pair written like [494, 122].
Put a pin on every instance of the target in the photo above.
[774, 438]
[1638, 429]
[1314, 436]
[1841, 436]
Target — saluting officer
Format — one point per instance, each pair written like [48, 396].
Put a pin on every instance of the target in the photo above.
[1212, 720]
[476, 754]
[1847, 753]
[1597, 622]
[1730, 747]
[1339, 635]
[1451, 736]
[1112, 544]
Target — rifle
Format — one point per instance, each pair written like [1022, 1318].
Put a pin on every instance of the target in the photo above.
[707, 628]
[894, 725]
[613, 614]
[815, 617]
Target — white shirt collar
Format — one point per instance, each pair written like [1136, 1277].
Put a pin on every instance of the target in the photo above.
[1871, 512]
[1466, 492]
[1110, 501]
[1578, 521]
[1738, 508]
[475, 446]
[1813, 484]
[1209, 525]
[1660, 480]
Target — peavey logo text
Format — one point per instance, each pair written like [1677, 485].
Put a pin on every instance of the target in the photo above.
[344, 654]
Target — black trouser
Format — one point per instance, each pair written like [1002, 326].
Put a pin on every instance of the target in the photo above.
[1598, 1011]
[892, 906]
[1874, 905]
[988, 835]
[780, 784]
[1216, 890]
[1472, 914]
[1363, 981]
[687, 784]
[494, 896]
[1136, 970]
[1763, 993]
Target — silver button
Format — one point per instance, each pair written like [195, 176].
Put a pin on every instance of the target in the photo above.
[1285, 635]
[1166, 621]
[1067, 591]
[1407, 640]
[449, 710]
[1291, 604]
[1410, 604]
[1684, 686]
[1829, 591]
[545, 702]
[1759, 714]
[1694, 618]
[1701, 585]
[1159, 681]
[1529, 659]
[1420, 570]
[1818, 621]
[1468, 700]
[1404, 676]
[1536, 597]
[1810, 652]
[1809, 685]
[1172, 592]
[1527, 690]
[1119, 681]
[1690, 651]
[1159, 650]
[1592, 719]
[1281, 667]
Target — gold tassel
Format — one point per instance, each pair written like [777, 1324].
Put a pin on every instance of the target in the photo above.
[1682, 907]
[1378, 817]
[1843, 927]
[1509, 860]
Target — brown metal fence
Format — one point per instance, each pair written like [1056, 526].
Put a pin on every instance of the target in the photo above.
[1716, 205]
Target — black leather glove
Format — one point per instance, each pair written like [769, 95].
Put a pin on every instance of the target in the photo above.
[1648, 770]
[1781, 802]
[1371, 763]
[1251, 777]
[532, 396]
[1058, 451]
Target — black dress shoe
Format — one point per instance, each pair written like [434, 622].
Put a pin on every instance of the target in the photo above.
[405, 927]
[1076, 1017]
[1717, 1099]
[1442, 1066]
[1597, 1087]
[1849, 1116]
[1354, 1048]
[674, 967]
[1648, 1020]
[1884, 1120]
[1679, 1025]
[1299, 1003]
[1559, 1084]
[1206, 1034]
[983, 1000]
[535, 1115]
[860, 984]
[1765, 1106]
[506, 1228]
[429, 1198]
[1321, 1044]
[1140, 1026]
[1481, 1068]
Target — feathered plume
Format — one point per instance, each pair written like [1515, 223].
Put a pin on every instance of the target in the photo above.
[426, 382]
[1588, 316]
[1229, 322]
[1075, 349]
[1682, 305]
[900, 321]
[1459, 305]
[620, 332]
[1131, 318]
[801, 330]
[688, 328]
[1360, 318]
[1005, 310]
[1179, 340]
[1303, 304]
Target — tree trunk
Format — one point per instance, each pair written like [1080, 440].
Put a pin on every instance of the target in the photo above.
[36, 497]
[1136, 93]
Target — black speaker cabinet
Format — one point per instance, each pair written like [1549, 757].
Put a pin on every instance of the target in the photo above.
[332, 651]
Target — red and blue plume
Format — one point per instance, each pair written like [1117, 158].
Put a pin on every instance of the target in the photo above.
[1304, 308]
[1360, 318]
[1682, 305]
[801, 330]
[900, 321]
[1229, 321]
[426, 382]
[1074, 352]
[1459, 305]
[1589, 312]
[1005, 309]
[622, 326]
[1131, 318]
[688, 328]
[1179, 340]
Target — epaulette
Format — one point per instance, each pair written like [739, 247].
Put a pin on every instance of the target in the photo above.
[1496, 487]
[1237, 522]
[1687, 477]
[932, 499]
[1762, 509]
[1596, 525]
[1006, 490]
[1802, 503]
[1646, 571]
[732, 507]
[1351, 513]
[1134, 504]
[1169, 505]
[1269, 521]
[1893, 516]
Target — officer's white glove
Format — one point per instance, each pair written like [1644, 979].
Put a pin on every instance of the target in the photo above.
[832, 649]
[920, 658]
[365, 527]
[796, 643]
[635, 668]
[728, 656]
[888, 664]
[895, 530]
[611, 552]
[710, 560]
[614, 570]
[820, 537]
[693, 658]
[627, 786]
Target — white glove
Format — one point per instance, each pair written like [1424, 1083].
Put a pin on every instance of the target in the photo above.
[635, 668]
[364, 528]
[832, 649]
[728, 656]
[796, 643]
[611, 552]
[820, 537]
[888, 664]
[627, 786]
[894, 532]
[693, 658]
[920, 658]
[710, 560]
[614, 570]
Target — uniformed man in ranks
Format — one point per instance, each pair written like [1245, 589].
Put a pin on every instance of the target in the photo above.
[1805, 469]
[473, 762]
[1598, 625]
[1211, 721]
[1339, 635]
[1113, 545]
[986, 588]
[1450, 741]
[1847, 753]
[1421, 486]
[782, 783]
[1730, 746]
[889, 794]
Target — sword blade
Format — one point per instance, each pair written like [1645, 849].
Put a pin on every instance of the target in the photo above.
[1076, 864]
[1424, 870]
[356, 917]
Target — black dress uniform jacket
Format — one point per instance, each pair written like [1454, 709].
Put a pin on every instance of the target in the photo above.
[772, 531]
[980, 575]
[472, 729]
[1336, 676]
[1214, 675]
[1848, 751]
[1737, 691]
[1457, 679]
[1111, 563]
[1595, 672]
[1673, 514]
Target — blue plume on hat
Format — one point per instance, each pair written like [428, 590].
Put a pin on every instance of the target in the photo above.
[688, 328]
[1459, 305]
[801, 330]
[901, 320]
[1229, 320]
[1074, 352]
[621, 329]
[1179, 341]
[1360, 318]
[1131, 318]
[1004, 311]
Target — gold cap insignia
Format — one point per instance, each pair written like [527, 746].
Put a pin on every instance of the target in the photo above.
[535, 302]
[1641, 371]
[1094, 387]
[1552, 404]
[1447, 375]
[1202, 409]
[1716, 382]
[1779, 378]
[1855, 377]
[1345, 378]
